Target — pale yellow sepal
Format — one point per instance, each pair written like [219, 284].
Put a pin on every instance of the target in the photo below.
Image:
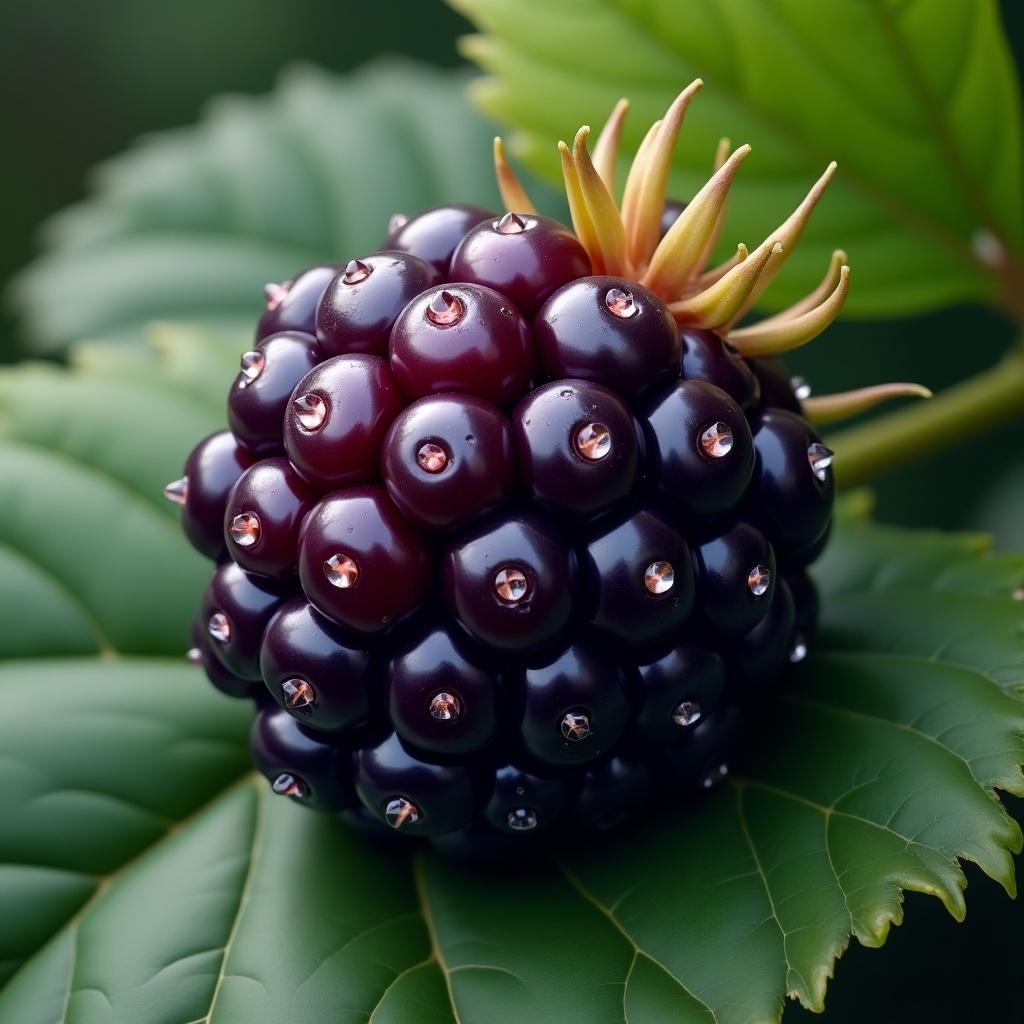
[513, 195]
[606, 149]
[604, 213]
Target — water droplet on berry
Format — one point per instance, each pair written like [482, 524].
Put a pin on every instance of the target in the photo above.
[252, 364]
[620, 303]
[287, 784]
[275, 294]
[245, 529]
[686, 712]
[400, 811]
[396, 222]
[820, 459]
[566, 393]
[432, 458]
[445, 309]
[310, 411]
[510, 585]
[759, 580]
[194, 656]
[522, 819]
[341, 571]
[445, 707]
[659, 577]
[798, 649]
[177, 491]
[801, 388]
[219, 627]
[575, 726]
[506, 312]
[356, 271]
[298, 696]
[715, 776]
[716, 441]
[510, 224]
[593, 441]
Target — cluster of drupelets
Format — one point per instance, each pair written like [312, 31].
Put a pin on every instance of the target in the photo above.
[512, 520]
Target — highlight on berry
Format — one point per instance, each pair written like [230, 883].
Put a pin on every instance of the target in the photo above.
[512, 521]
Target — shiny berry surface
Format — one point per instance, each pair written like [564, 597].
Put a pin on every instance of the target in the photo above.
[259, 397]
[611, 791]
[434, 235]
[314, 670]
[447, 460]
[465, 338]
[210, 472]
[522, 803]
[736, 578]
[577, 447]
[639, 576]
[292, 306]
[523, 256]
[700, 449]
[510, 583]
[441, 698]
[361, 304]
[764, 651]
[698, 761]
[425, 799]
[236, 609]
[298, 763]
[223, 679]
[337, 419]
[707, 357]
[679, 686]
[360, 563]
[610, 331]
[264, 512]
[575, 706]
[775, 384]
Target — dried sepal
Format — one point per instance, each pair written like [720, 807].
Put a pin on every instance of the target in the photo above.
[644, 226]
[781, 336]
[815, 298]
[606, 149]
[604, 213]
[825, 409]
[513, 195]
[717, 305]
[582, 223]
[681, 251]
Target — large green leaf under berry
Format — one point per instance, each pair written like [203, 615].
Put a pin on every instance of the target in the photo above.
[919, 105]
[146, 876]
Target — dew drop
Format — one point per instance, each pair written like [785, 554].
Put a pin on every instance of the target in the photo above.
[310, 411]
[716, 441]
[245, 529]
[445, 707]
[177, 491]
[510, 224]
[686, 712]
[659, 577]
[759, 580]
[575, 726]
[356, 271]
[801, 389]
[820, 459]
[432, 458]
[566, 393]
[341, 571]
[298, 696]
[798, 649]
[522, 819]
[252, 364]
[445, 309]
[620, 303]
[593, 441]
[287, 784]
[194, 656]
[219, 627]
[400, 811]
[510, 585]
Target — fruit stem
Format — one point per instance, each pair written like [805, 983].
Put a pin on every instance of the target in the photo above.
[864, 453]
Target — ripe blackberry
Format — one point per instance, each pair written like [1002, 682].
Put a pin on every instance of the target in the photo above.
[512, 521]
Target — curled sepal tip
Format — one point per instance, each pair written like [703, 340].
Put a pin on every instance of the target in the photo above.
[606, 149]
[825, 409]
[781, 336]
[812, 299]
[513, 195]
[681, 252]
[717, 305]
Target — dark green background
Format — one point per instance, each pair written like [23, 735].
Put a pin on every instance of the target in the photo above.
[80, 81]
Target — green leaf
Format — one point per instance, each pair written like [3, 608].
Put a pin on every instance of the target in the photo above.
[190, 224]
[147, 876]
[921, 111]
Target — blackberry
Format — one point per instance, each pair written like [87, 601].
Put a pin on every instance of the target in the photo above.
[512, 521]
